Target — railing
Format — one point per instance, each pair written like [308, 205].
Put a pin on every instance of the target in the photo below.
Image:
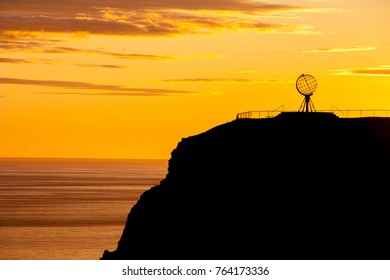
[334, 110]
[258, 114]
[362, 113]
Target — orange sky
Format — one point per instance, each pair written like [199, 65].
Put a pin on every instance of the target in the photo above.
[129, 79]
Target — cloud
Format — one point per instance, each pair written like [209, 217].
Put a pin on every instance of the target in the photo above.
[14, 60]
[26, 40]
[21, 44]
[69, 25]
[112, 66]
[224, 80]
[42, 46]
[381, 71]
[27, 61]
[113, 54]
[135, 93]
[336, 50]
[142, 24]
[141, 18]
[106, 89]
[86, 6]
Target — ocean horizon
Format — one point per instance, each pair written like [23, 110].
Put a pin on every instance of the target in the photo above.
[69, 208]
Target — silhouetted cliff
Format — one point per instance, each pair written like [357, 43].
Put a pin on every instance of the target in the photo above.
[298, 186]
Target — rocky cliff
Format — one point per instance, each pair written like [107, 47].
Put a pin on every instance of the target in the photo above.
[297, 186]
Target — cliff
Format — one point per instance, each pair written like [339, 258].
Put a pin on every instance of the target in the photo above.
[297, 186]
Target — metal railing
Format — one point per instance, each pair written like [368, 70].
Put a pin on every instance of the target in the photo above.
[339, 113]
[258, 114]
[361, 113]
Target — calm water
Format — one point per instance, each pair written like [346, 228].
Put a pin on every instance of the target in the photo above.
[69, 208]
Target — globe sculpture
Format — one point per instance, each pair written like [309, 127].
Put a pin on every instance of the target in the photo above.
[306, 85]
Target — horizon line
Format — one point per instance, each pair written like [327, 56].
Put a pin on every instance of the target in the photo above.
[78, 158]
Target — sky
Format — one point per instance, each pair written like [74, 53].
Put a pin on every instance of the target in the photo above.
[130, 79]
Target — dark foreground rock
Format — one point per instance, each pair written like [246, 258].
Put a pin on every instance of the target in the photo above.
[298, 186]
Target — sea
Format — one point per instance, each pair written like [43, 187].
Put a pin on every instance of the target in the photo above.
[69, 209]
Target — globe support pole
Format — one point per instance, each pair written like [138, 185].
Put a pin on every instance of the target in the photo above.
[307, 101]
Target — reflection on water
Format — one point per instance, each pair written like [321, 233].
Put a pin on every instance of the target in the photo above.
[69, 208]
[57, 243]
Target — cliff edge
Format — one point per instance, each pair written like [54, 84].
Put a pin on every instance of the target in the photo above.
[297, 186]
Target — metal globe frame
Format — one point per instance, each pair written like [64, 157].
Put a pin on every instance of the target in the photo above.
[306, 85]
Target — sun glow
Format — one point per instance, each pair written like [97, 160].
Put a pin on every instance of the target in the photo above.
[131, 79]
